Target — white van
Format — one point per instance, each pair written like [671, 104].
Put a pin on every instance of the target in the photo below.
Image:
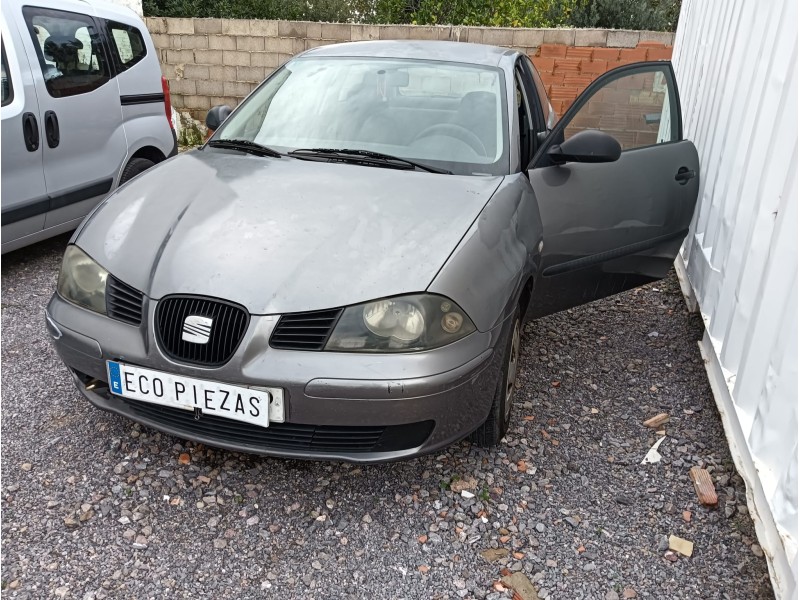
[84, 109]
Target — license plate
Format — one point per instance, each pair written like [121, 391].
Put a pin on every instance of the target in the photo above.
[257, 406]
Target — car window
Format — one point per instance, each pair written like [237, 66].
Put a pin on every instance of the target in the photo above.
[634, 108]
[70, 51]
[544, 101]
[127, 44]
[443, 81]
[449, 115]
[526, 121]
[8, 88]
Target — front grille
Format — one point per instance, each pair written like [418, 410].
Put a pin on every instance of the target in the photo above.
[229, 323]
[123, 302]
[304, 331]
[289, 436]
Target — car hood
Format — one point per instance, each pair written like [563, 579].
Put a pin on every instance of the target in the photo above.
[281, 235]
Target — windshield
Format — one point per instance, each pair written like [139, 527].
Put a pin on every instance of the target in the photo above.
[447, 115]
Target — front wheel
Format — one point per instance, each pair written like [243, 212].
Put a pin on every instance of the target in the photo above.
[496, 425]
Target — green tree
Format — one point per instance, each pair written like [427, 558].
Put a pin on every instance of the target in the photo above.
[617, 14]
[655, 15]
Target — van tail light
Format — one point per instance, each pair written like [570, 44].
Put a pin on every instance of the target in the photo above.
[167, 99]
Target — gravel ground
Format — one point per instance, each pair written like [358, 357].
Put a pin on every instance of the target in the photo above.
[94, 506]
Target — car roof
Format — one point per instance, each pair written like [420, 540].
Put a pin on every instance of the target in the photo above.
[103, 8]
[476, 54]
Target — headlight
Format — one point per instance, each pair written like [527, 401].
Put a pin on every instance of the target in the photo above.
[402, 324]
[82, 281]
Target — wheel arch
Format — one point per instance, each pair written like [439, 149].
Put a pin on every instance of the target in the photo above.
[501, 248]
[148, 152]
[525, 296]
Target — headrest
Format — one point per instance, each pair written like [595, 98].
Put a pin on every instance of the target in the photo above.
[62, 48]
[478, 101]
[395, 77]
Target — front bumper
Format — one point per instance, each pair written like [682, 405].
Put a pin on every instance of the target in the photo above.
[410, 404]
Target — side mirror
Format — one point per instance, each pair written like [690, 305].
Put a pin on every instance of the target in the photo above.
[589, 146]
[217, 115]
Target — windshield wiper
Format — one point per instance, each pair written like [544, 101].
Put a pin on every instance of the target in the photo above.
[368, 156]
[245, 146]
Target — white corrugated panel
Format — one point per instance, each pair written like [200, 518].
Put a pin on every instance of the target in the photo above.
[736, 63]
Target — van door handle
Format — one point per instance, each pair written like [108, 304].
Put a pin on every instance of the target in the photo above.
[51, 129]
[684, 174]
[30, 131]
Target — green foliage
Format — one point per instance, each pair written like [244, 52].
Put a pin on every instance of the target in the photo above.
[654, 15]
[483, 495]
[294, 10]
[445, 484]
[619, 14]
[497, 13]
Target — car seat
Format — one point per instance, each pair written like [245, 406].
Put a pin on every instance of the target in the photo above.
[371, 111]
[477, 112]
[63, 50]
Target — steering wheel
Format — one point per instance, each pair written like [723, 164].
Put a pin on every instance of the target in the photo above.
[455, 131]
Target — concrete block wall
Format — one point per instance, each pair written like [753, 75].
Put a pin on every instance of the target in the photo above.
[219, 61]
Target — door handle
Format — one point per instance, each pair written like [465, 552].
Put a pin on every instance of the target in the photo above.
[51, 131]
[30, 131]
[684, 174]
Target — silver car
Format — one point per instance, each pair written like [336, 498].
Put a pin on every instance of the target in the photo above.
[343, 270]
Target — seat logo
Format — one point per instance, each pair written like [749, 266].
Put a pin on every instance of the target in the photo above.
[197, 329]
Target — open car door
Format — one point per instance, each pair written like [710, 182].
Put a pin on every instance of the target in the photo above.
[616, 185]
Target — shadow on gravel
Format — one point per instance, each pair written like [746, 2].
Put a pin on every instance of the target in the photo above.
[33, 254]
[95, 506]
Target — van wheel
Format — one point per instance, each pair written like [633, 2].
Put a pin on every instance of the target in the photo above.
[134, 167]
[494, 428]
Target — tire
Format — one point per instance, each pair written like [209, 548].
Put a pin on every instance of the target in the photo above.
[496, 424]
[134, 167]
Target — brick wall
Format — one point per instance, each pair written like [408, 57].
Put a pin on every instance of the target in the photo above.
[628, 108]
[219, 61]
[567, 70]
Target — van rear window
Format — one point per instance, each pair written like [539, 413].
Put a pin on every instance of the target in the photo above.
[127, 44]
